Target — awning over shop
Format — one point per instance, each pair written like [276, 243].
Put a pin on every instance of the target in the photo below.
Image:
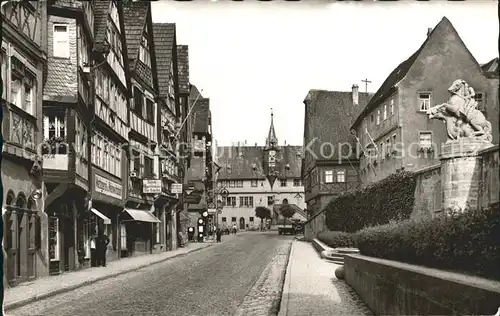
[106, 220]
[142, 216]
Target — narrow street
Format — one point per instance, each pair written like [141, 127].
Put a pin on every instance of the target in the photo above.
[212, 281]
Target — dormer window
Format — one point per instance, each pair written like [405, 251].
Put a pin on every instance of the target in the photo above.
[299, 154]
[228, 168]
[144, 54]
[287, 167]
[254, 166]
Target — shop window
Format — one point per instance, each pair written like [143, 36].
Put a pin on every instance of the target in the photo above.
[54, 238]
[123, 237]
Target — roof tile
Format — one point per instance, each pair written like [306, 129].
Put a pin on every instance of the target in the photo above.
[164, 36]
[183, 66]
[135, 16]
[243, 159]
[328, 116]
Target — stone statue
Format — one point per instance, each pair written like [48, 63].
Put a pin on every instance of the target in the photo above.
[460, 114]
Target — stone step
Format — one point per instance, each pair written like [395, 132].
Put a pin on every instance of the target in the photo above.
[341, 262]
[335, 257]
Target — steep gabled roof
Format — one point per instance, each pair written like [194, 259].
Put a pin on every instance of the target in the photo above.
[328, 116]
[490, 69]
[201, 116]
[183, 68]
[135, 17]
[164, 36]
[238, 162]
[398, 74]
[194, 92]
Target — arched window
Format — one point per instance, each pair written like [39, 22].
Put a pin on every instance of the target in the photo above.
[285, 201]
[21, 200]
[10, 198]
[31, 204]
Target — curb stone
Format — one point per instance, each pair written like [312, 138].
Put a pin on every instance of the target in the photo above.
[270, 305]
[285, 291]
[39, 297]
[276, 308]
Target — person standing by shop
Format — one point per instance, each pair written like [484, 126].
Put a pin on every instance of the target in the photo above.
[93, 250]
[102, 247]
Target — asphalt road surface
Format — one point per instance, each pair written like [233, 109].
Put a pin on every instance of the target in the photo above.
[209, 282]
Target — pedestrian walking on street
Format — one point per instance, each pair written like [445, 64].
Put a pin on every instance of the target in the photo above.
[93, 250]
[234, 229]
[102, 246]
[218, 234]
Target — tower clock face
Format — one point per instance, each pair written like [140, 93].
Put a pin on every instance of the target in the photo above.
[272, 158]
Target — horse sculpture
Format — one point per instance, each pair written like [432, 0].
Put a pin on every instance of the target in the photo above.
[462, 118]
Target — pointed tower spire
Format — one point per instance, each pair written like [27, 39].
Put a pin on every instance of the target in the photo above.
[272, 140]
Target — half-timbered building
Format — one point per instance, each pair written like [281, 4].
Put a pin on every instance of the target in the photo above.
[23, 57]
[185, 132]
[143, 173]
[66, 102]
[167, 130]
[109, 132]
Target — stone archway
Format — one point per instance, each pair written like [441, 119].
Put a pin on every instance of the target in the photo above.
[242, 223]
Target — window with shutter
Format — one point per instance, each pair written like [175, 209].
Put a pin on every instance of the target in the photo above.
[61, 41]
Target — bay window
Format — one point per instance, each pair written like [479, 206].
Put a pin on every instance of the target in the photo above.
[54, 130]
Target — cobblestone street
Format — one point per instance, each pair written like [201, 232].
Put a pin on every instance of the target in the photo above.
[212, 281]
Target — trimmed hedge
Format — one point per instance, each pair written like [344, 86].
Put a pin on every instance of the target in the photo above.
[468, 242]
[337, 239]
[390, 199]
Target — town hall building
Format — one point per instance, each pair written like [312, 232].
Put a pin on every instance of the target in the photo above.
[259, 176]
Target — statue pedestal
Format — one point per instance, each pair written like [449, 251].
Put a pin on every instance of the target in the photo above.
[460, 174]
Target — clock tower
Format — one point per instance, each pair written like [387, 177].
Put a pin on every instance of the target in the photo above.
[271, 160]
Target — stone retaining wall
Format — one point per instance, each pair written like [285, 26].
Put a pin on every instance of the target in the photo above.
[395, 288]
[429, 194]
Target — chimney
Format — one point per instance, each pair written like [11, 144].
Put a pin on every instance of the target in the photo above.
[245, 142]
[255, 144]
[285, 142]
[429, 30]
[355, 91]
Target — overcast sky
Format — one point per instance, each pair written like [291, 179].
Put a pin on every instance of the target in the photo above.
[249, 57]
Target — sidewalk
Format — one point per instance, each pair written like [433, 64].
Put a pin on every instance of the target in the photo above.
[45, 287]
[311, 287]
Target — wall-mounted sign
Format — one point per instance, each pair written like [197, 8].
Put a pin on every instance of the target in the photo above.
[176, 188]
[108, 187]
[151, 186]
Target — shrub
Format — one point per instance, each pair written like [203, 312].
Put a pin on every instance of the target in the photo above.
[390, 199]
[468, 242]
[337, 239]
